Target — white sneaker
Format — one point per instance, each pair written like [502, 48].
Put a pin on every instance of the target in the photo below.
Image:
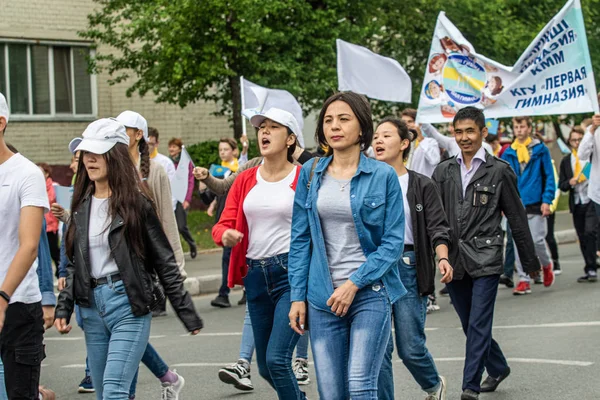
[441, 392]
[170, 391]
[238, 375]
[300, 368]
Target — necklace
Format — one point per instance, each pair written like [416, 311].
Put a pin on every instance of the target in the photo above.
[343, 187]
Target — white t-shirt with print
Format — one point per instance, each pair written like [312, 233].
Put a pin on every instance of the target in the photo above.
[22, 184]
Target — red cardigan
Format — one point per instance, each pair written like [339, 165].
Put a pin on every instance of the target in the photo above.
[233, 217]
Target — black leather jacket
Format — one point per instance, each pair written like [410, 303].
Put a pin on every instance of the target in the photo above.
[137, 275]
[475, 219]
[429, 225]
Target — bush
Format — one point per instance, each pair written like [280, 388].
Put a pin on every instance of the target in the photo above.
[206, 153]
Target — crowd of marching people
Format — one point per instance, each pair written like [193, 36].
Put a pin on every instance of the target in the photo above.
[347, 246]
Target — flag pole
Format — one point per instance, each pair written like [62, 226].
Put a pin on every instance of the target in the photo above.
[243, 106]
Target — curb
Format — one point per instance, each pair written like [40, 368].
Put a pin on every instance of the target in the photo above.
[209, 284]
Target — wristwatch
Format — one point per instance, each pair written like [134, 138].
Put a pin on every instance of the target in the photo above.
[5, 296]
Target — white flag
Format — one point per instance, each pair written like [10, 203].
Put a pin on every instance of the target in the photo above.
[258, 99]
[553, 75]
[180, 182]
[362, 71]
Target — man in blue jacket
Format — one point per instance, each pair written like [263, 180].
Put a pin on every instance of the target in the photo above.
[531, 161]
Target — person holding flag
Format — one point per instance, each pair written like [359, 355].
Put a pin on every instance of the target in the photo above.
[530, 160]
[573, 179]
[425, 154]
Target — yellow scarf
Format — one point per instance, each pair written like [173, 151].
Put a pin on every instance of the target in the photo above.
[578, 168]
[522, 151]
[154, 153]
[233, 165]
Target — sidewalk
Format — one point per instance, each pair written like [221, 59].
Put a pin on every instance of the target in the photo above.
[204, 273]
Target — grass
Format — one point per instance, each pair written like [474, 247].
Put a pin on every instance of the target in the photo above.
[200, 226]
[563, 202]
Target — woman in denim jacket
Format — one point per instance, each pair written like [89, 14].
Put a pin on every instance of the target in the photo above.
[347, 237]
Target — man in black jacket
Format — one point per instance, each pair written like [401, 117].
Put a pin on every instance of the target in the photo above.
[573, 180]
[476, 189]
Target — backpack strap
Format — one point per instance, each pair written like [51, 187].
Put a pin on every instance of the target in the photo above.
[312, 172]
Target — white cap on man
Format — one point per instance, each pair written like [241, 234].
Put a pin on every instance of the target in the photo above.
[4, 108]
[282, 117]
[102, 135]
[131, 119]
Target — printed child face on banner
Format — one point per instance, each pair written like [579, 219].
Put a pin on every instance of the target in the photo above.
[448, 111]
[436, 64]
[449, 45]
[433, 90]
[494, 85]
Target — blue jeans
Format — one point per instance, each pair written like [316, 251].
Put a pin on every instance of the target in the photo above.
[247, 345]
[155, 364]
[474, 300]
[348, 351]
[115, 340]
[268, 299]
[409, 315]
[509, 254]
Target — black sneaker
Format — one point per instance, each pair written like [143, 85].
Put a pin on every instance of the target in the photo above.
[590, 276]
[221, 302]
[557, 270]
[86, 386]
[238, 375]
[193, 252]
[469, 395]
[444, 291]
[491, 384]
[505, 280]
[242, 301]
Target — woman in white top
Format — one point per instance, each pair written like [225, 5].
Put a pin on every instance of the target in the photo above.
[256, 224]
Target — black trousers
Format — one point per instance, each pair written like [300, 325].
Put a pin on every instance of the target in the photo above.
[181, 218]
[22, 350]
[550, 240]
[224, 289]
[54, 248]
[586, 222]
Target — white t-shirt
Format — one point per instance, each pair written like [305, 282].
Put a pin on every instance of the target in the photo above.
[268, 209]
[408, 231]
[22, 184]
[101, 260]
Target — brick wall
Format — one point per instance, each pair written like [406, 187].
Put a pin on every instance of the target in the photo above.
[47, 141]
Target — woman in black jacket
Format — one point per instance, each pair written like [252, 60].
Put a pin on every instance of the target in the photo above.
[116, 247]
[426, 228]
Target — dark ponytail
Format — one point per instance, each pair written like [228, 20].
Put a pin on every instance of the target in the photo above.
[144, 159]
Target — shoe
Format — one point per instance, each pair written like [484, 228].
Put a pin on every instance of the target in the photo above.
[548, 275]
[432, 304]
[444, 291]
[46, 394]
[300, 369]
[221, 302]
[242, 301]
[440, 394]
[590, 276]
[170, 391]
[491, 384]
[557, 270]
[238, 375]
[193, 252]
[505, 280]
[86, 385]
[538, 280]
[469, 395]
[522, 288]
[159, 313]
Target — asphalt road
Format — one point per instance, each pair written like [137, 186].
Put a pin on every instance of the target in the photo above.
[549, 337]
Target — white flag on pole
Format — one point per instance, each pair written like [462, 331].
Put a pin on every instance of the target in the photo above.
[258, 99]
[362, 71]
[180, 182]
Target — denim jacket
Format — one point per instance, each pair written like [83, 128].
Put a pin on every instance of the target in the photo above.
[377, 208]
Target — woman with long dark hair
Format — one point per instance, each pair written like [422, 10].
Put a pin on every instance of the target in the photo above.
[425, 228]
[116, 246]
[256, 224]
[347, 237]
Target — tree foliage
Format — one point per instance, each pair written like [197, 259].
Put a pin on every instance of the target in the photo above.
[185, 51]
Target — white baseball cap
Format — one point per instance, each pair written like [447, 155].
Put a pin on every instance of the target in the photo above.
[4, 108]
[101, 135]
[282, 117]
[73, 144]
[131, 119]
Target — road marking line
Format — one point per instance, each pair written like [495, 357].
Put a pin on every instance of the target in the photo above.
[63, 339]
[551, 325]
[74, 366]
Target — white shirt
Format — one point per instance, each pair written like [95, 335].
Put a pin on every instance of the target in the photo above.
[101, 260]
[580, 191]
[448, 143]
[408, 230]
[268, 209]
[467, 174]
[425, 157]
[22, 184]
[169, 167]
[589, 150]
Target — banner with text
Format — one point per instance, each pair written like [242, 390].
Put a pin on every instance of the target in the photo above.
[553, 76]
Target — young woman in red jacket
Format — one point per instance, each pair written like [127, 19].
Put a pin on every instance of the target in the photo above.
[256, 224]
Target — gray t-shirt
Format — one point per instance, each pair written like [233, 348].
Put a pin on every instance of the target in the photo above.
[344, 252]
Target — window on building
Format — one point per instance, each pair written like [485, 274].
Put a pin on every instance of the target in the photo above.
[47, 80]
